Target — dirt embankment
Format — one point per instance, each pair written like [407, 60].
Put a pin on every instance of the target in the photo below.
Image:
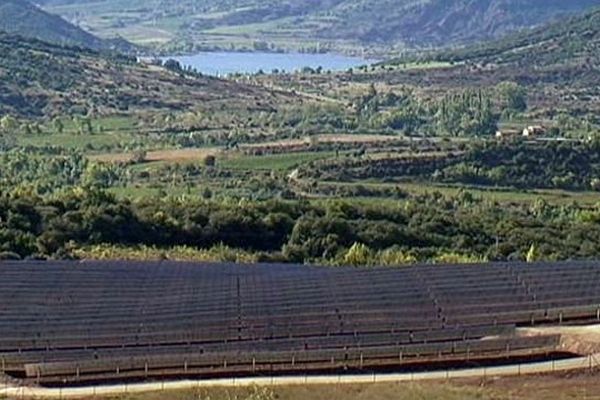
[582, 340]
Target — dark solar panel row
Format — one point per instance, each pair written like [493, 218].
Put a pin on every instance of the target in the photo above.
[239, 362]
[75, 314]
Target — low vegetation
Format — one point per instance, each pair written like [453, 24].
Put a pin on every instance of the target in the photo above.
[44, 81]
[578, 385]
[519, 165]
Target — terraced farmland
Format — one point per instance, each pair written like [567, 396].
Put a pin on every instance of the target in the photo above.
[88, 322]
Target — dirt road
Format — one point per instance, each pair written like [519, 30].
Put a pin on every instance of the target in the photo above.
[579, 363]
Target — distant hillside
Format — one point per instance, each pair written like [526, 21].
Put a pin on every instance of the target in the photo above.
[26, 19]
[575, 40]
[558, 66]
[442, 22]
[280, 23]
[41, 79]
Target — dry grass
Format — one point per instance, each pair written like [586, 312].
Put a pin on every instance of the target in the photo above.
[440, 391]
[183, 155]
[574, 385]
[173, 155]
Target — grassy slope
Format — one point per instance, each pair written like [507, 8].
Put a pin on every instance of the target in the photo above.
[41, 79]
[573, 40]
[24, 18]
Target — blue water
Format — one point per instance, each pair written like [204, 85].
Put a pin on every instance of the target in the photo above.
[223, 63]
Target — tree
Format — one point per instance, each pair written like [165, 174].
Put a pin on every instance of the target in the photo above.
[395, 257]
[206, 193]
[210, 161]
[513, 96]
[172, 65]
[100, 175]
[59, 127]
[466, 113]
[8, 124]
[85, 125]
[138, 156]
[313, 141]
[7, 142]
[533, 254]
[358, 255]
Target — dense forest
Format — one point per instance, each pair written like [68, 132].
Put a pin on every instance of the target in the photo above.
[426, 228]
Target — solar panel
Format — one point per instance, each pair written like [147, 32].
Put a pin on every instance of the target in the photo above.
[76, 321]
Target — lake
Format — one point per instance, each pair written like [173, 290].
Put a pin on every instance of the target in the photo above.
[223, 63]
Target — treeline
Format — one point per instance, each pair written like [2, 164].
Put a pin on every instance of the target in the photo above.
[465, 112]
[424, 228]
[519, 164]
[468, 112]
[571, 166]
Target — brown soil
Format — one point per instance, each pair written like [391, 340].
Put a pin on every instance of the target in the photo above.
[582, 340]
[175, 155]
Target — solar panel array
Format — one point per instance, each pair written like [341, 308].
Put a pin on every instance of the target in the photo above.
[70, 322]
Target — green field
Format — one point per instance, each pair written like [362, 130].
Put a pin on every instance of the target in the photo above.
[277, 162]
[73, 141]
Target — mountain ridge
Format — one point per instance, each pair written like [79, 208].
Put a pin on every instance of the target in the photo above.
[416, 23]
[20, 17]
[570, 40]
